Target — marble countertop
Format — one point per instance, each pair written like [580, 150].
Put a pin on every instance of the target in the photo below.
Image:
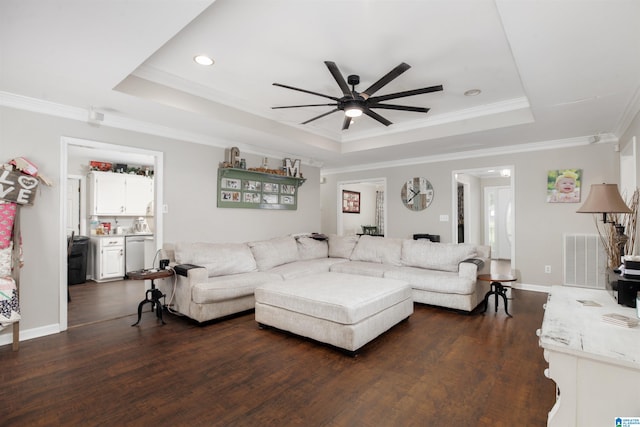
[572, 327]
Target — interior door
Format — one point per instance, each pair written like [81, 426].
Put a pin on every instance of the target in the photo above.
[499, 223]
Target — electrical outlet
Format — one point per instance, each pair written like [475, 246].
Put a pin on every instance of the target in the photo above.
[547, 269]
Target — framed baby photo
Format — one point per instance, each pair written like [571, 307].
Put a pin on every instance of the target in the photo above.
[564, 185]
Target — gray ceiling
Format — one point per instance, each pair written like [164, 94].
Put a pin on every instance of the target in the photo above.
[549, 71]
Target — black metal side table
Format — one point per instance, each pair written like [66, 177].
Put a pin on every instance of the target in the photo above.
[152, 295]
[497, 289]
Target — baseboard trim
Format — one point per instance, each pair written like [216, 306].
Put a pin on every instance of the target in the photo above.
[28, 334]
[534, 288]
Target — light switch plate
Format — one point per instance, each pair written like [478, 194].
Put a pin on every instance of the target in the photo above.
[444, 218]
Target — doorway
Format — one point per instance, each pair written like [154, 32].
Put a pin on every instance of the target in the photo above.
[372, 203]
[483, 201]
[73, 149]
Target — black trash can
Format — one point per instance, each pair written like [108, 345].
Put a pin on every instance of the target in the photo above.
[77, 262]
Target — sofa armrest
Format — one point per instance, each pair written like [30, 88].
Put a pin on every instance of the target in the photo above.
[472, 267]
[178, 288]
[183, 269]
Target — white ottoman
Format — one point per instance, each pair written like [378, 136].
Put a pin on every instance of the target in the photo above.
[344, 310]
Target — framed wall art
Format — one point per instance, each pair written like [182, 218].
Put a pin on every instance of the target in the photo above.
[239, 188]
[564, 185]
[350, 201]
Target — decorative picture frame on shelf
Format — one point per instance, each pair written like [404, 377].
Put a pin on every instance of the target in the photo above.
[350, 201]
[245, 189]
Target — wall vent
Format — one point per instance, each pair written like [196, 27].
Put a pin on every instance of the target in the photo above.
[585, 261]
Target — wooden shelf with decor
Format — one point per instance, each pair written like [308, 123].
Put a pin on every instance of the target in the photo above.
[245, 189]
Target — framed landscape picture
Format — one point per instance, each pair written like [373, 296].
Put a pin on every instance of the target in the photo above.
[350, 201]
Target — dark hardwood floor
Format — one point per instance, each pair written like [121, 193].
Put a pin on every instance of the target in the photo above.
[96, 302]
[438, 368]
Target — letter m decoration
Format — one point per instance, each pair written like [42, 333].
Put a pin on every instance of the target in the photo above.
[292, 168]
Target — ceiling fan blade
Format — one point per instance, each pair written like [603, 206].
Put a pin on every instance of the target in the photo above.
[307, 105]
[305, 91]
[346, 122]
[385, 80]
[320, 116]
[337, 75]
[377, 117]
[413, 92]
[400, 107]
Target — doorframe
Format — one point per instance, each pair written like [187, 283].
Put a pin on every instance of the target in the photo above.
[339, 187]
[65, 143]
[454, 203]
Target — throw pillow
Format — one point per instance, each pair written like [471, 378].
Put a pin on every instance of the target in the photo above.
[274, 252]
[310, 248]
[220, 259]
[383, 250]
[341, 246]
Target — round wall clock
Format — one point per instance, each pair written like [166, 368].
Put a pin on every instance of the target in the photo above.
[417, 194]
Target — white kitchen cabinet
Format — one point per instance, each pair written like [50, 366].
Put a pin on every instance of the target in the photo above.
[116, 194]
[108, 261]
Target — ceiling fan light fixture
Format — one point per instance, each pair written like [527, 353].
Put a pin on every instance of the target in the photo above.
[353, 111]
[203, 60]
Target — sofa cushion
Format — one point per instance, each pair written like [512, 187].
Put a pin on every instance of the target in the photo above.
[219, 259]
[274, 252]
[361, 268]
[307, 267]
[435, 256]
[341, 246]
[309, 248]
[382, 250]
[445, 282]
[229, 287]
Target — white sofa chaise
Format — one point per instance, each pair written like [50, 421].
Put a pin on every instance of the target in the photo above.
[441, 274]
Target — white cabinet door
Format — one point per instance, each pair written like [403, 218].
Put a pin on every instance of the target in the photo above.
[112, 262]
[106, 193]
[138, 195]
[120, 194]
[108, 259]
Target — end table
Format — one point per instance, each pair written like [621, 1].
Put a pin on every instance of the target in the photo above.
[152, 295]
[497, 289]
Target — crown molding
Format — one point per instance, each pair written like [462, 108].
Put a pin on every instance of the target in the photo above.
[485, 152]
[35, 105]
[630, 113]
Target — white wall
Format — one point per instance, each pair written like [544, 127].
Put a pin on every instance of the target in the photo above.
[539, 225]
[190, 181]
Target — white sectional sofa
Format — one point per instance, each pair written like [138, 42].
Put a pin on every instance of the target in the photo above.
[441, 274]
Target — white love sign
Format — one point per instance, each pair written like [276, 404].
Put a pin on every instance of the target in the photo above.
[17, 187]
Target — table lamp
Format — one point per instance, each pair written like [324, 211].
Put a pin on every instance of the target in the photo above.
[606, 199]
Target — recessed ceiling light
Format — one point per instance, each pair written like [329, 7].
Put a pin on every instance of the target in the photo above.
[203, 60]
[473, 92]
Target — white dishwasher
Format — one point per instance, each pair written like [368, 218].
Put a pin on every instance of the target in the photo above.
[134, 252]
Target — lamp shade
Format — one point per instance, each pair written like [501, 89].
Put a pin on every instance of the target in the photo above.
[604, 198]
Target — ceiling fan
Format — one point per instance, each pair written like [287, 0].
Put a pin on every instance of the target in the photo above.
[354, 104]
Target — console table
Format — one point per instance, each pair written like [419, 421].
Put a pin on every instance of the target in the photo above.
[595, 365]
